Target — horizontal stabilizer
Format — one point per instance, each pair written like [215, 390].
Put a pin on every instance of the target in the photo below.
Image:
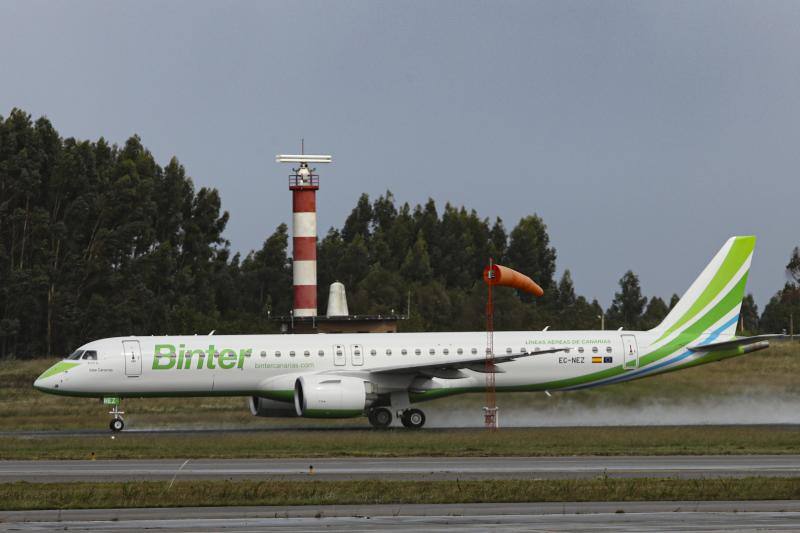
[762, 341]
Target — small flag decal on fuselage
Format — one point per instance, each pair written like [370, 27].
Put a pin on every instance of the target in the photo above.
[597, 359]
[608, 359]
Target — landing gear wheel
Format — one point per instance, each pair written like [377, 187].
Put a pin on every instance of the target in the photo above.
[116, 423]
[380, 418]
[413, 418]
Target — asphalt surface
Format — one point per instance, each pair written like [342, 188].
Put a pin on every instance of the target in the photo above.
[417, 468]
[630, 516]
[300, 427]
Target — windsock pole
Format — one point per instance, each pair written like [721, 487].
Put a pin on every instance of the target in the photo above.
[490, 410]
[499, 275]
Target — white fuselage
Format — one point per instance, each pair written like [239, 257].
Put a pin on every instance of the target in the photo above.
[269, 364]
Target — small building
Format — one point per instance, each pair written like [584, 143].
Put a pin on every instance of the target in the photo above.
[340, 324]
[338, 319]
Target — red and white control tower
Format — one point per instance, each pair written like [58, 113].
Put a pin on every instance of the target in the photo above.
[304, 184]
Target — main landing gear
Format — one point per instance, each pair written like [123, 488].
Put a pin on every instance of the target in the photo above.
[413, 418]
[381, 418]
[117, 424]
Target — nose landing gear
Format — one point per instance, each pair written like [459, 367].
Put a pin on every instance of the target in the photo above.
[117, 424]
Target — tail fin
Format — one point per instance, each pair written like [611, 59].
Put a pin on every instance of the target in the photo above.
[713, 301]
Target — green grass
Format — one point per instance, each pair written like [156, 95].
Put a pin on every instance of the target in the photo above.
[723, 440]
[22, 495]
[770, 373]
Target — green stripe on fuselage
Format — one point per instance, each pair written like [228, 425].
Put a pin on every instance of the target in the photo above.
[722, 308]
[61, 366]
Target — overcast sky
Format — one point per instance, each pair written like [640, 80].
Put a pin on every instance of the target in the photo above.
[644, 133]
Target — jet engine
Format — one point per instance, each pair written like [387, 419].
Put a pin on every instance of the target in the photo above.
[270, 408]
[330, 396]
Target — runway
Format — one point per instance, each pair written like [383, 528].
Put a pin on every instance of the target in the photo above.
[417, 468]
[625, 517]
[300, 428]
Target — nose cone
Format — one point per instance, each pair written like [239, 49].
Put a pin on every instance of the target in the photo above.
[51, 378]
[44, 384]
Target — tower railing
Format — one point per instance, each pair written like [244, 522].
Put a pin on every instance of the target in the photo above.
[298, 182]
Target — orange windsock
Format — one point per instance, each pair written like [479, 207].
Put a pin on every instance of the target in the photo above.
[507, 277]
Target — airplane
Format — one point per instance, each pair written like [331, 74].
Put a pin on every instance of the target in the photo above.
[386, 375]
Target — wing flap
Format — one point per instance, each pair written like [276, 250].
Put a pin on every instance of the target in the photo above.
[443, 369]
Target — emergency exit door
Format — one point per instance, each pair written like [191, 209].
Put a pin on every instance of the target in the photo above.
[631, 352]
[132, 353]
[357, 352]
[339, 355]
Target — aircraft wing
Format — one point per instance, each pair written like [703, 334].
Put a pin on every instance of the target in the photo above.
[452, 369]
[762, 341]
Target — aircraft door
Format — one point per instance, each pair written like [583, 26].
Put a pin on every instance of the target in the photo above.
[631, 350]
[133, 358]
[357, 352]
[339, 355]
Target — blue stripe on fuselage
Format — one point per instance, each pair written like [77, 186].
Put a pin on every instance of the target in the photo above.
[630, 375]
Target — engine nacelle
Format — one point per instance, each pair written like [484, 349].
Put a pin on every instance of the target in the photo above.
[270, 408]
[327, 396]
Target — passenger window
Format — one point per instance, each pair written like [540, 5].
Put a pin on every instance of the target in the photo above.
[263, 353]
[373, 352]
[460, 351]
[580, 350]
[608, 349]
[321, 353]
[404, 351]
[356, 352]
[307, 353]
[418, 351]
[90, 355]
[388, 351]
[445, 352]
[509, 351]
[523, 350]
[535, 348]
[474, 351]
[594, 349]
[277, 353]
[432, 351]
[291, 354]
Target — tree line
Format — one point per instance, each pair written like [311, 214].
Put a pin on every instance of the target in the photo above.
[98, 240]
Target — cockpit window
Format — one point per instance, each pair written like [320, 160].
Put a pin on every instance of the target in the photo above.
[90, 355]
[76, 354]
